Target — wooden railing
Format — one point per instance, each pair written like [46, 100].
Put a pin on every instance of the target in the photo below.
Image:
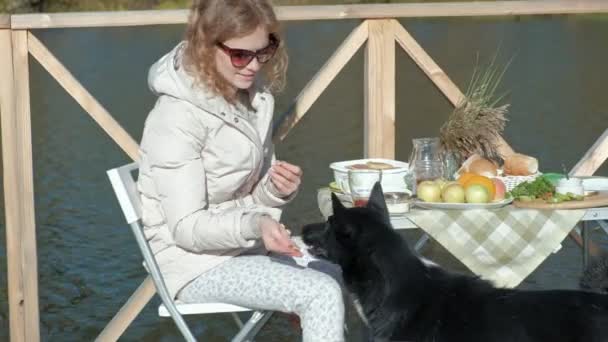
[378, 29]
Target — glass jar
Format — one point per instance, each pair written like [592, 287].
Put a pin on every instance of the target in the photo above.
[426, 162]
[451, 164]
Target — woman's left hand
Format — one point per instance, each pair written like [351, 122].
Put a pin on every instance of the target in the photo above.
[285, 177]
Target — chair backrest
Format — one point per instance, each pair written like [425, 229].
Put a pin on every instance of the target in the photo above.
[124, 186]
[125, 189]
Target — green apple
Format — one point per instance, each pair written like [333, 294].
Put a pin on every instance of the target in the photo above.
[453, 193]
[429, 191]
[441, 182]
[476, 193]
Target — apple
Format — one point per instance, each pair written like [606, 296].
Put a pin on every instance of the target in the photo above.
[429, 191]
[476, 193]
[500, 189]
[441, 182]
[453, 193]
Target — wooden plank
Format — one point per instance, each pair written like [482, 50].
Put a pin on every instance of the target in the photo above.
[599, 200]
[593, 159]
[379, 91]
[99, 19]
[324, 12]
[19, 187]
[83, 97]
[437, 75]
[427, 64]
[26, 180]
[5, 21]
[321, 80]
[128, 312]
[12, 193]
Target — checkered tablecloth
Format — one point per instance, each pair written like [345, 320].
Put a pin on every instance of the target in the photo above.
[503, 245]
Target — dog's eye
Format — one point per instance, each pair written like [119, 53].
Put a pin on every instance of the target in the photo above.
[345, 230]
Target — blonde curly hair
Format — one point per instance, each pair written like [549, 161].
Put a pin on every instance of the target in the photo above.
[213, 21]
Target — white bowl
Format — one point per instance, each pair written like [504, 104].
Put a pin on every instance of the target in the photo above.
[393, 180]
[570, 185]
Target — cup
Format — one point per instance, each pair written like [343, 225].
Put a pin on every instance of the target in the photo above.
[361, 182]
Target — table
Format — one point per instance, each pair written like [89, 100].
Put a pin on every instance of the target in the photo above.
[503, 245]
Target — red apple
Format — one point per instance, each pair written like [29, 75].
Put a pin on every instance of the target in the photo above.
[500, 189]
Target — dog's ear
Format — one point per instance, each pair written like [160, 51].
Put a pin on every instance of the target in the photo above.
[376, 201]
[337, 205]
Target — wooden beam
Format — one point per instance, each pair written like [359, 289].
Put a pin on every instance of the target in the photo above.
[19, 187]
[11, 190]
[5, 21]
[379, 91]
[427, 64]
[587, 166]
[593, 159]
[287, 13]
[99, 19]
[437, 75]
[321, 80]
[83, 97]
[128, 312]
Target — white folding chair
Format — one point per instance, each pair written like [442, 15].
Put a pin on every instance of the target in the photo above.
[123, 183]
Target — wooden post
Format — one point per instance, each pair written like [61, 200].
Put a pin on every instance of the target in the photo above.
[379, 98]
[128, 312]
[593, 159]
[19, 187]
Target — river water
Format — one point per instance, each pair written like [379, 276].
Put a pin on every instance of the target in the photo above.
[88, 261]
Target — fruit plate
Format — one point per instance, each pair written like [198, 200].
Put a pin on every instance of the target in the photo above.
[463, 206]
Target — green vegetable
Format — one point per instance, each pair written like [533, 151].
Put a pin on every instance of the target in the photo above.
[541, 188]
[538, 188]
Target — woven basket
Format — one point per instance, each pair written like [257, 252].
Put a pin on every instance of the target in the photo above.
[512, 181]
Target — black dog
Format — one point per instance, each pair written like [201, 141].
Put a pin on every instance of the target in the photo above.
[405, 299]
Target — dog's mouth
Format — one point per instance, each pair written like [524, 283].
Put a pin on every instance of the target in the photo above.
[317, 251]
[313, 236]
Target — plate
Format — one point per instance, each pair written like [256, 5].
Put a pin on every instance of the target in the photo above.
[463, 206]
[595, 183]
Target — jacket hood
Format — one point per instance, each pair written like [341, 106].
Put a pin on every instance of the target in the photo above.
[168, 77]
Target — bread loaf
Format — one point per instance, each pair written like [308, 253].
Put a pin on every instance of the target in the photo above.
[518, 164]
[483, 167]
[371, 166]
[479, 165]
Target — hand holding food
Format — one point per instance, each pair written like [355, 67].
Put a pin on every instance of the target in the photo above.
[277, 238]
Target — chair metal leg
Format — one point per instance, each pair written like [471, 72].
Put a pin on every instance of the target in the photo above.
[604, 225]
[237, 320]
[585, 235]
[253, 326]
[421, 242]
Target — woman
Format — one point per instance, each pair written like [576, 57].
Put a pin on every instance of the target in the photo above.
[208, 181]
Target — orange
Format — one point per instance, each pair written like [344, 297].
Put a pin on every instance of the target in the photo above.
[483, 181]
[464, 177]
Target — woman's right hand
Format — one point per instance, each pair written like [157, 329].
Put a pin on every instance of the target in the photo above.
[276, 238]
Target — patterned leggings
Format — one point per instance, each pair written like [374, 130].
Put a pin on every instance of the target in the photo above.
[276, 283]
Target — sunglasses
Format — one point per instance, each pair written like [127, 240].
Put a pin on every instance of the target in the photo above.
[241, 58]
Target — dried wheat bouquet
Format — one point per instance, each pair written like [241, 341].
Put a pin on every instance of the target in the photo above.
[477, 123]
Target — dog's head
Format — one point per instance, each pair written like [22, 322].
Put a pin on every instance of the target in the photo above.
[350, 232]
